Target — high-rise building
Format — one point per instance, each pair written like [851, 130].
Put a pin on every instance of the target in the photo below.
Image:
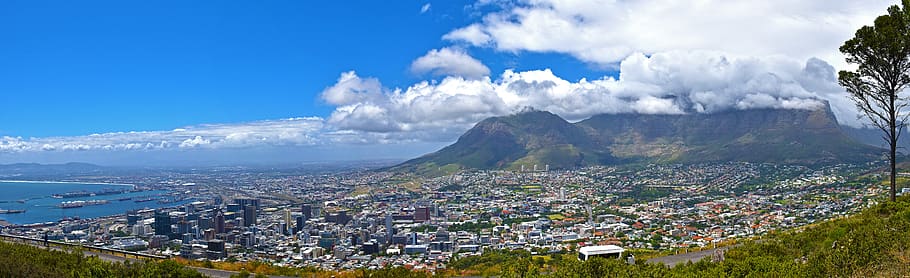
[215, 249]
[208, 234]
[234, 208]
[184, 227]
[301, 221]
[342, 218]
[307, 211]
[389, 229]
[249, 216]
[287, 217]
[422, 214]
[133, 218]
[247, 202]
[219, 222]
[204, 223]
[163, 223]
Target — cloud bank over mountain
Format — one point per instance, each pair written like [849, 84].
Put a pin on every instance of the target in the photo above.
[673, 82]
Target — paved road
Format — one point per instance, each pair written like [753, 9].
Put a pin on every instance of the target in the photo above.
[682, 258]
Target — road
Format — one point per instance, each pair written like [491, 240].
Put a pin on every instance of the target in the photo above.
[673, 260]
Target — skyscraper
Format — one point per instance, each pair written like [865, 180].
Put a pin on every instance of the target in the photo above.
[219, 222]
[422, 214]
[389, 228]
[247, 202]
[163, 223]
[307, 211]
[249, 216]
[287, 216]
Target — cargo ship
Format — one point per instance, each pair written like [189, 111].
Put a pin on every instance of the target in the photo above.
[79, 204]
[144, 199]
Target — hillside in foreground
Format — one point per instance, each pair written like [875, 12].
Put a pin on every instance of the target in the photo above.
[18, 260]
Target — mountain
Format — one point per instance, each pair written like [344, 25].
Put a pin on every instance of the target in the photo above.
[542, 138]
[759, 135]
[527, 138]
[873, 136]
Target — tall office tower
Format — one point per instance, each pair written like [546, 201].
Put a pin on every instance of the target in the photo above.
[249, 216]
[342, 218]
[422, 214]
[133, 218]
[389, 229]
[247, 202]
[204, 223]
[301, 221]
[307, 211]
[162, 223]
[219, 222]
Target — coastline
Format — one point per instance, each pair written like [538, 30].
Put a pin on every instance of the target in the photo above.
[65, 182]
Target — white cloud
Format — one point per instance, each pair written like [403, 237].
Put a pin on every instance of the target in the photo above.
[195, 142]
[450, 62]
[350, 88]
[294, 131]
[672, 82]
[606, 32]
[425, 8]
[473, 34]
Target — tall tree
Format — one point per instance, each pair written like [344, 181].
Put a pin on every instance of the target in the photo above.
[882, 54]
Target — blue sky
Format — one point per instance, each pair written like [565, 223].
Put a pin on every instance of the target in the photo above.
[73, 68]
[115, 81]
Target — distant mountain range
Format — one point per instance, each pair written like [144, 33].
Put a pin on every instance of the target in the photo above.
[541, 138]
[873, 136]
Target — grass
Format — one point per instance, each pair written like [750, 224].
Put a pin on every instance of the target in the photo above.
[556, 217]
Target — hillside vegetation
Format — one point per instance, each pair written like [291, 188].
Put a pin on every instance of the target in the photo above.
[19, 260]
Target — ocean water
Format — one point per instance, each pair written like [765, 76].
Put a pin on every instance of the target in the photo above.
[35, 198]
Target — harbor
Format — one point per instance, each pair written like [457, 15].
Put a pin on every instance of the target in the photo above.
[26, 203]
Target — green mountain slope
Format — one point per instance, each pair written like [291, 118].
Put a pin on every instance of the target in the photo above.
[529, 138]
[542, 138]
[760, 135]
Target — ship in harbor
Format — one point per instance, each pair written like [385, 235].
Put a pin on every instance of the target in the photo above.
[106, 191]
[11, 211]
[79, 204]
[144, 199]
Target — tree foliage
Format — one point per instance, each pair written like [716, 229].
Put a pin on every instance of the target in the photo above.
[882, 55]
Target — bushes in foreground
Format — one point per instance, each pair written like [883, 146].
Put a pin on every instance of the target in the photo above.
[19, 260]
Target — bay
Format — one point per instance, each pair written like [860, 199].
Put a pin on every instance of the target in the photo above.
[35, 197]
